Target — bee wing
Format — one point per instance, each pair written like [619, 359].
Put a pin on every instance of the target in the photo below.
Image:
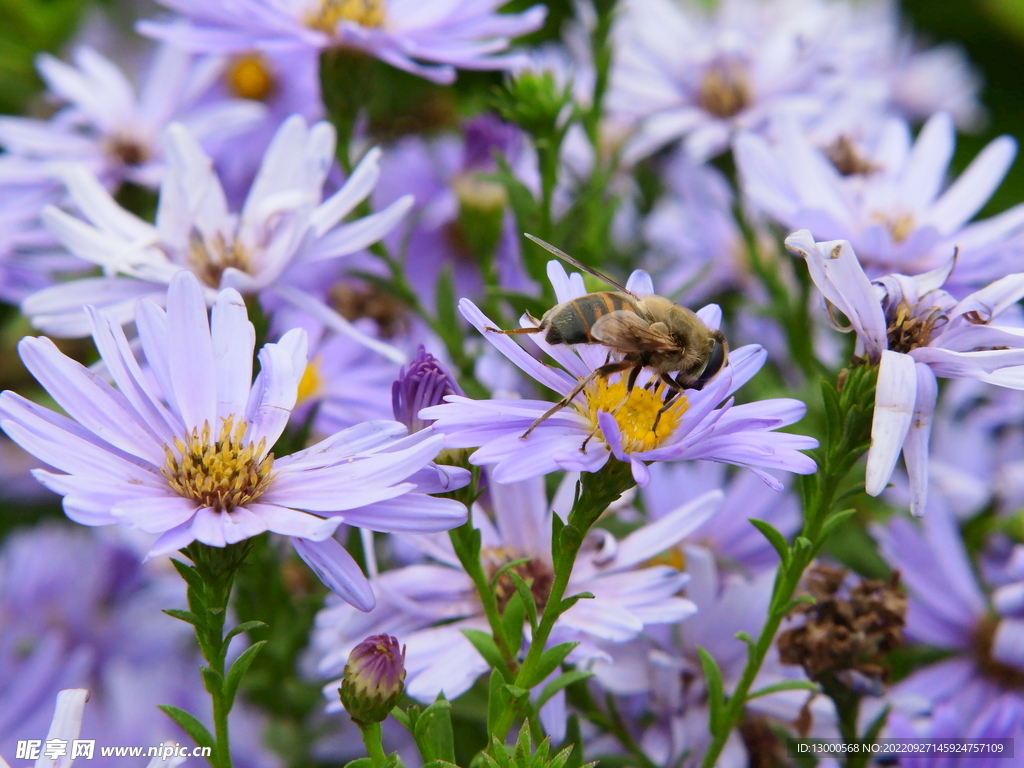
[629, 332]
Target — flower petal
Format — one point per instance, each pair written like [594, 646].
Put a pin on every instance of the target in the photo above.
[337, 570]
[915, 447]
[895, 395]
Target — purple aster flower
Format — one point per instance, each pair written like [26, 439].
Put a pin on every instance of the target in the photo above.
[428, 605]
[183, 450]
[697, 248]
[728, 534]
[447, 175]
[424, 383]
[346, 383]
[286, 83]
[915, 332]
[1000, 719]
[283, 224]
[112, 128]
[949, 609]
[95, 623]
[605, 420]
[888, 197]
[430, 40]
[29, 254]
[682, 70]
[660, 680]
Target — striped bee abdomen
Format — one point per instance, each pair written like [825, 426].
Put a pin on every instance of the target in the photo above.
[570, 322]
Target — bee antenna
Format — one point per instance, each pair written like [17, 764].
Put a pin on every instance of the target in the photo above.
[578, 264]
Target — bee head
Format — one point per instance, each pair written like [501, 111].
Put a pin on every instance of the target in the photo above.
[716, 360]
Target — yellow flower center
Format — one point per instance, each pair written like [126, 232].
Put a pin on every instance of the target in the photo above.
[674, 558]
[326, 16]
[223, 474]
[249, 77]
[900, 225]
[312, 382]
[643, 419]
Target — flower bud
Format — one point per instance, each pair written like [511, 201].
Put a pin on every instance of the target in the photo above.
[424, 383]
[374, 679]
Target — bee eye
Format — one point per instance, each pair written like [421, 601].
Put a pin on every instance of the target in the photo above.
[716, 362]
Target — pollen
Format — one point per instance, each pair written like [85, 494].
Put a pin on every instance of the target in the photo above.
[249, 77]
[327, 16]
[223, 474]
[644, 420]
[312, 382]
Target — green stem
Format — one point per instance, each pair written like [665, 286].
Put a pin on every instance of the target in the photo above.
[849, 412]
[216, 568]
[595, 493]
[460, 539]
[374, 745]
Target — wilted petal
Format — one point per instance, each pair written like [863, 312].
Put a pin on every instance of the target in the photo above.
[895, 395]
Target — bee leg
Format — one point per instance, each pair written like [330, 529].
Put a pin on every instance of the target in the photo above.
[605, 370]
[633, 374]
[583, 448]
[561, 403]
[512, 331]
[668, 401]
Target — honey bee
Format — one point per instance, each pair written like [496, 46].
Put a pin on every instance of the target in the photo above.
[652, 332]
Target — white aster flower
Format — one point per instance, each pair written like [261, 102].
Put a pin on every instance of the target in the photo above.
[888, 197]
[428, 605]
[283, 224]
[915, 332]
[184, 449]
[112, 128]
[683, 70]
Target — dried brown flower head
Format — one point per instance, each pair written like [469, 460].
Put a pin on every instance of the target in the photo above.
[846, 633]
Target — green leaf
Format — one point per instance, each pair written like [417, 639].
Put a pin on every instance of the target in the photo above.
[775, 538]
[487, 648]
[798, 601]
[716, 690]
[245, 626]
[568, 543]
[745, 637]
[238, 669]
[802, 542]
[360, 762]
[549, 661]
[529, 602]
[516, 692]
[186, 616]
[562, 681]
[512, 621]
[836, 520]
[189, 574]
[506, 567]
[212, 680]
[399, 714]
[570, 601]
[433, 732]
[447, 313]
[439, 764]
[189, 725]
[786, 685]
[497, 700]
